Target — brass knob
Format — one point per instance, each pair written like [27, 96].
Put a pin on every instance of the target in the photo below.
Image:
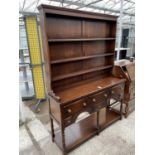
[105, 95]
[112, 92]
[94, 100]
[69, 110]
[84, 104]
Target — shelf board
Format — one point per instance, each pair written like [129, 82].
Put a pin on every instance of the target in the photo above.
[81, 72]
[78, 133]
[80, 58]
[80, 39]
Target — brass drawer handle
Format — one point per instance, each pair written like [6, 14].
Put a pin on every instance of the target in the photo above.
[84, 104]
[69, 110]
[112, 92]
[105, 95]
[94, 100]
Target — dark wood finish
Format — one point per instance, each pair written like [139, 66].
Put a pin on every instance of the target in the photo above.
[80, 72]
[79, 58]
[126, 69]
[80, 39]
[79, 132]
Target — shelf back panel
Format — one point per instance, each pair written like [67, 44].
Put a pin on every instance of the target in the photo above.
[65, 50]
[73, 34]
[63, 27]
[70, 82]
[98, 47]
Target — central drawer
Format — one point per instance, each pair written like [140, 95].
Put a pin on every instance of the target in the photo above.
[91, 104]
[100, 97]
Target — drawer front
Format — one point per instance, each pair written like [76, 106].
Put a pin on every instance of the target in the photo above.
[68, 121]
[100, 97]
[117, 92]
[75, 107]
[99, 100]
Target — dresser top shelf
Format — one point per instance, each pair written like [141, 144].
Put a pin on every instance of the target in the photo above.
[87, 88]
[48, 9]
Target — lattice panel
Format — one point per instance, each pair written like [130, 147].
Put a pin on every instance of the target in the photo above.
[35, 55]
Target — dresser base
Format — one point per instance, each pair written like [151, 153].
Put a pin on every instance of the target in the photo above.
[78, 133]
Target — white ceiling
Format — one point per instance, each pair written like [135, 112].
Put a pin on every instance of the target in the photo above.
[103, 6]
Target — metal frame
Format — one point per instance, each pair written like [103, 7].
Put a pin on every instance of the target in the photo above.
[36, 107]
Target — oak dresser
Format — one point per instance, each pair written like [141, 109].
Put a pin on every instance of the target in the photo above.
[79, 58]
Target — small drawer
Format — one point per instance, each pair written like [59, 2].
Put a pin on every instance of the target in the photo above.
[117, 92]
[100, 97]
[67, 121]
[75, 107]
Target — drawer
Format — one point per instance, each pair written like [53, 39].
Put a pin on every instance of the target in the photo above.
[67, 121]
[100, 97]
[75, 107]
[117, 92]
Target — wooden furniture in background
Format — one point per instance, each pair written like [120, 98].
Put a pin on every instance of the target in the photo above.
[79, 59]
[126, 69]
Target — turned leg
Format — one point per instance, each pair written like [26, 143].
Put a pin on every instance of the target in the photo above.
[63, 140]
[98, 128]
[52, 129]
[121, 109]
[51, 120]
[126, 109]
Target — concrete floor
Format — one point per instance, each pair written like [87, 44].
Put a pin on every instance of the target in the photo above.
[35, 136]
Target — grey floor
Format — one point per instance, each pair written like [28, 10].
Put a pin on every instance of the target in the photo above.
[35, 138]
